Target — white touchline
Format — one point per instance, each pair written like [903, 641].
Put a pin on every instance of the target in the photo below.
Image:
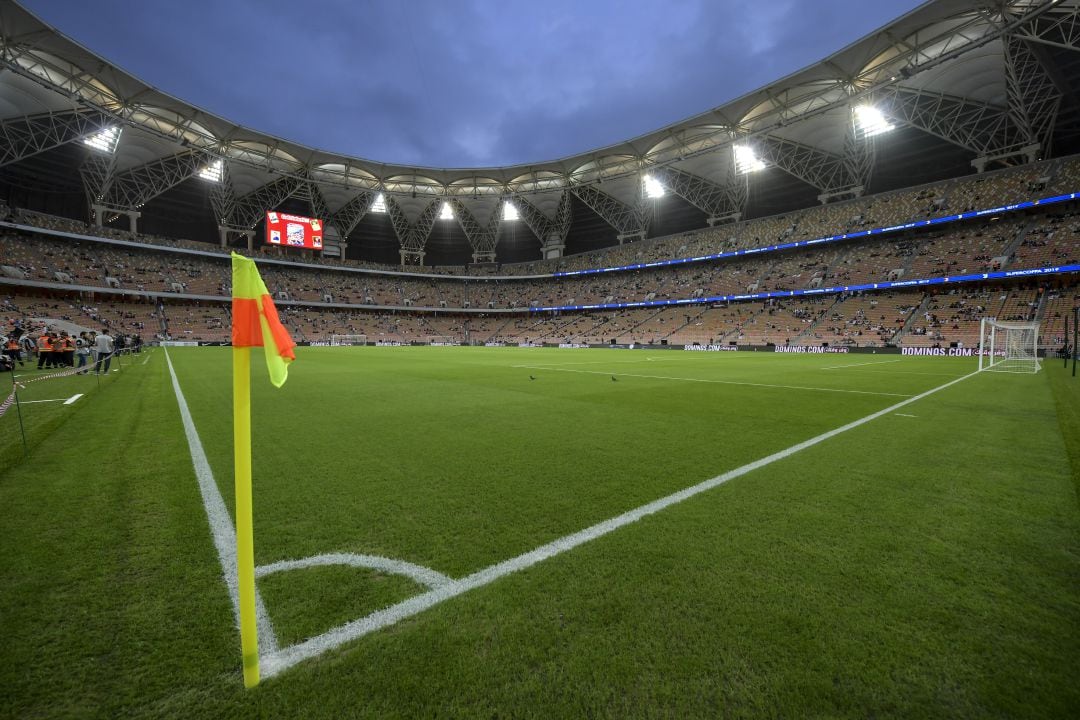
[73, 399]
[221, 526]
[274, 663]
[31, 402]
[876, 362]
[719, 382]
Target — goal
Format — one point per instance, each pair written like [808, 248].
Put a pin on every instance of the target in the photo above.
[442, 340]
[1008, 346]
[348, 339]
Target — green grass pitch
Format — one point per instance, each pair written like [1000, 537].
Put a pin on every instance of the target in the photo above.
[923, 564]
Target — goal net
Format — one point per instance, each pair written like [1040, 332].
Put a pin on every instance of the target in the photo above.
[348, 339]
[442, 340]
[1009, 346]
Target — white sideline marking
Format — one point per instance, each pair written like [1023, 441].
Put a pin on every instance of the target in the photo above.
[419, 573]
[221, 527]
[720, 382]
[147, 359]
[73, 399]
[274, 663]
[906, 415]
[31, 402]
[876, 362]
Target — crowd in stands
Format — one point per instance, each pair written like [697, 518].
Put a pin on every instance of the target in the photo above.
[862, 320]
[1051, 239]
[883, 210]
[1059, 303]
[165, 293]
[886, 209]
[911, 318]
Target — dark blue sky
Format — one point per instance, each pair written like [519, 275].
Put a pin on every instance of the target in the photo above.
[463, 83]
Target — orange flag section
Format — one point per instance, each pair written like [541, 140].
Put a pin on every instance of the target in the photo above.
[256, 322]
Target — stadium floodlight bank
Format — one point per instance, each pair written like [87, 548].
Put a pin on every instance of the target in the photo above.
[1008, 346]
[348, 340]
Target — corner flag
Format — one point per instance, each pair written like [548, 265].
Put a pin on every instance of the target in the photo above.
[255, 320]
[255, 324]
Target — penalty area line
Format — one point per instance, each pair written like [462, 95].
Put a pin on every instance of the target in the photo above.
[274, 663]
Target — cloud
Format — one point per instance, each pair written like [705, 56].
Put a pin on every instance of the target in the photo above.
[468, 83]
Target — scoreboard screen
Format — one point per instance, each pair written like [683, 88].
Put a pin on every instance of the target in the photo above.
[294, 231]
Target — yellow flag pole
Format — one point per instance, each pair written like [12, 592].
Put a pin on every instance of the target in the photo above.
[245, 543]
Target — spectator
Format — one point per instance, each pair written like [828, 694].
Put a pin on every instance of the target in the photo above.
[103, 343]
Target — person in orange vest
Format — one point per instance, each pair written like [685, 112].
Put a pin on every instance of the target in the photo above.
[44, 350]
[67, 350]
[57, 350]
[13, 348]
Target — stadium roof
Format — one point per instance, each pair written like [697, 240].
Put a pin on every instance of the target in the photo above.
[962, 81]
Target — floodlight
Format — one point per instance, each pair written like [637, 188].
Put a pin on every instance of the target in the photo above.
[105, 140]
[746, 160]
[510, 212]
[869, 121]
[447, 212]
[379, 204]
[212, 172]
[653, 188]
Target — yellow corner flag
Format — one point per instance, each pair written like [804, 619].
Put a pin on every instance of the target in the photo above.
[255, 324]
[255, 320]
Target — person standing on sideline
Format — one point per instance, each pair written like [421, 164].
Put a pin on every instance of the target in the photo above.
[56, 357]
[44, 349]
[67, 350]
[28, 346]
[13, 348]
[82, 350]
[103, 343]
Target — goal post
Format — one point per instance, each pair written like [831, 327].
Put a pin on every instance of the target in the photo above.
[442, 340]
[344, 340]
[1008, 346]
